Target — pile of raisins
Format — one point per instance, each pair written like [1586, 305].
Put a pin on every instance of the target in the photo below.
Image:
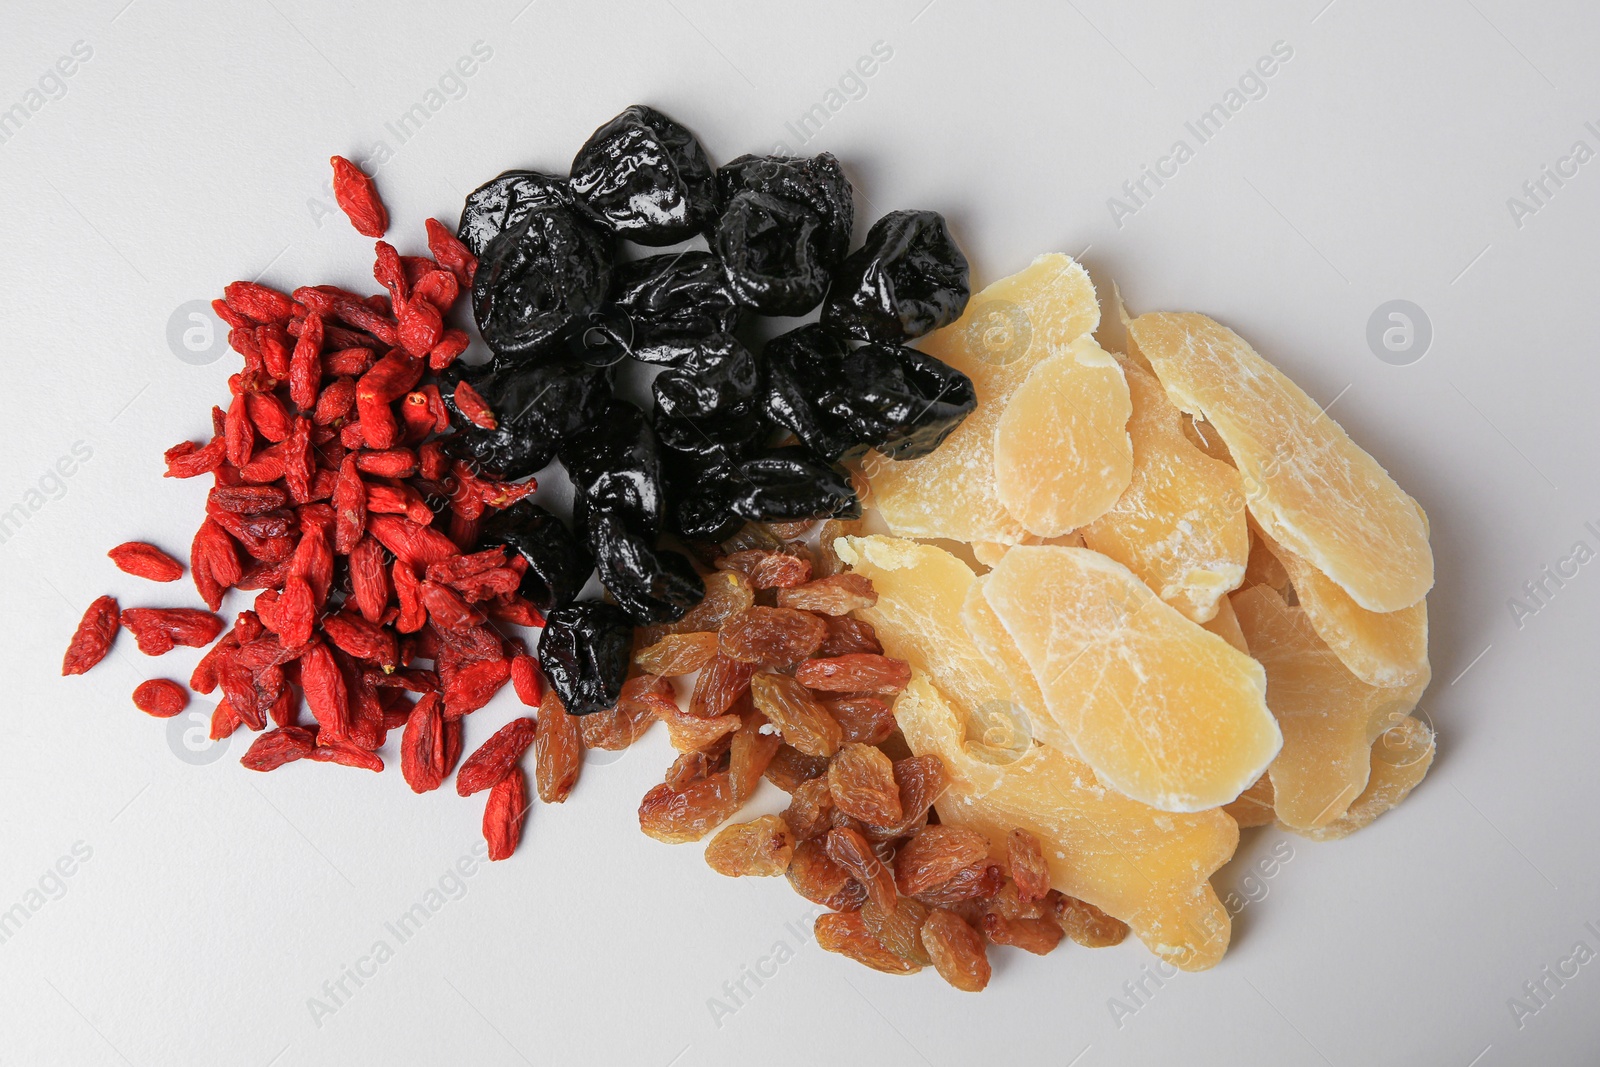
[738, 431]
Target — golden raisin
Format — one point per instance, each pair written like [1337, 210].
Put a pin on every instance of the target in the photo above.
[813, 875]
[750, 753]
[867, 720]
[558, 750]
[1038, 936]
[846, 635]
[774, 568]
[722, 682]
[861, 779]
[838, 594]
[1028, 868]
[847, 934]
[899, 928]
[957, 951]
[799, 717]
[762, 848]
[771, 637]
[936, 855]
[854, 853]
[727, 594]
[1087, 925]
[677, 654]
[687, 814]
[858, 672]
[810, 809]
[790, 768]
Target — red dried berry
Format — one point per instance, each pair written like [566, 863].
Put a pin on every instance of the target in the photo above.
[474, 407]
[276, 747]
[505, 813]
[422, 746]
[358, 198]
[158, 630]
[497, 757]
[92, 640]
[527, 680]
[146, 561]
[160, 697]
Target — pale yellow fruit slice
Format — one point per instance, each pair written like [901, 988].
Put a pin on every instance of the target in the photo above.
[1311, 487]
[1062, 455]
[988, 553]
[1146, 867]
[1329, 717]
[1007, 329]
[989, 636]
[1254, 806]
[1263, 568]
[1163, 710]
[1387, 649]
[1401, 757]
[1225, 624]
[1180, 525]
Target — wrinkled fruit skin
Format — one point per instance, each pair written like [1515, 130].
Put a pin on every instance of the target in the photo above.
[776, 485]
[712, 401]
[503, 202]
[907, 280]
[557, 565]
[650, 585]
[584, 653]
[537, 278]
[537, 404]
[817, 184]
[673, 303]
[647, 178]
[897, 400]
[771, 252]
[615, 467]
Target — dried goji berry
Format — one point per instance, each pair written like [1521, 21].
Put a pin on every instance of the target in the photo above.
[146, 561]
[527, 679]
[92, 640]
[158, 630]
[504, 814]
[357, 197]
[160, 697]
[496, 757]
[276, 747]
[422, 746]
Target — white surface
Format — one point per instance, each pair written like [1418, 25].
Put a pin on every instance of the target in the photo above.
[215, 902]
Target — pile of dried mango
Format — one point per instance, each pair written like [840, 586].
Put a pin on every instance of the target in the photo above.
[1148, 597]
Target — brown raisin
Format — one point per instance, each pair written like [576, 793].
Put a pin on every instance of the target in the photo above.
[846, 933]
[922, 780]
[936, 855]
[899, 928]
[848, 635]
[677, 654]
[687, 814]
[977, 882]
[770, 568]
[810, 809]
[859, 672]
[790, 768]
[1087, 925]
[721, 683]
[957, 951]
[813, 875]
[854, 853]
[867, 720]
[1028, 868]
[771, 637]
[1038, 936]
[762, 848]
[749, 754]
[839, 594]
[861, 779]
[799, 717]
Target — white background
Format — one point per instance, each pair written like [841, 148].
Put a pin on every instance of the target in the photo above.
[192, 149]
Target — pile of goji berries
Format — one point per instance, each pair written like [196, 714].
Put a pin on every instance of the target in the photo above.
[334, 502]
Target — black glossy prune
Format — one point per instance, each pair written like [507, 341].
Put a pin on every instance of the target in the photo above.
[817, 183]
[584, 652]
[647, 178]
[674, 302]
[558, 566]
[790, 483]
[650, 585]
[771, 251]
[699, 493]
[615, 468]
[538, 405]
[497, 205]
[713, 401]
[537, 278]
[900, 401]
[908, 279]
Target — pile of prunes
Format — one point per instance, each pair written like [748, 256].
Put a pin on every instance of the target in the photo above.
[735, 434]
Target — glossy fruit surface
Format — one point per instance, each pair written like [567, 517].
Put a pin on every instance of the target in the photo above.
[908, 279]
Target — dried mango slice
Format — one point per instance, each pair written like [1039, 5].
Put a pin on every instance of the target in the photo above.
[1225, 624]
[921, 590]
[1386, 649]
[1329, 717]
[1062, 455]
[1163, 710]
[989, 636]
[1254, 806]
[1146, 867]
[1311, 487]
[1181, 523]
[1007, 329]
[1400, 759]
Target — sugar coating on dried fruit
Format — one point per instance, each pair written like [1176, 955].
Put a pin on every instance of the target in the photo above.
[1309, 485]
[1164, 711]
[1386, 649]
[1180, 525]
[1062, 453]
[1401, 757]
[1146, 867]
[1007, 330]
[1329, 717]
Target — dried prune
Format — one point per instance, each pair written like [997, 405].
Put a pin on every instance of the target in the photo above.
[712, 401]
[650, 585]
[909, 278]
[788, 483]
[673, 303]
[615, 468]
[537, 278]
[557, 565]
[900, 401]
[772, 253]
[501, 203]
[584, 654]
[647, 178]
[817, 183]
[537, 405]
